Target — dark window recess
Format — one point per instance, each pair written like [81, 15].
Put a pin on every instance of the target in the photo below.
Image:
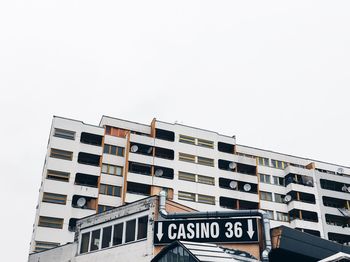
[226, 165]
[164, 153]
[340, 221]
[91, 139]
[118, 234]
[248, 205]
[103, 208]
[86, 180]
[246, 169]
[163, 172]
[142, 227]
[137, 188]
[165, 134]
[95, 240]
[83, 202]
[139, 168]
[303, 197]
[227, 148]
[106, 236]
[334, 202]
[309, 231]
[227, 202]
[141, 149]
[303, 215]
[89, 159]
[340, 238]
[130, 230]
[84, 247]
[335, 186]
[72, 224]
[299, 179]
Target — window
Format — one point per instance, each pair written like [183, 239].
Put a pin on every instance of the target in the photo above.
[41, 245]
[279, 198]
[52, 222]
[62, 133]
[91, 139]
[113, 131]
[103, 208]
[57, 175]
[187, 176]
[95, 240]
[227, 148]
[165, 135]
[265, 178]
[142, 223]
[112, 170]
[278, 181]
[269, 214]
[138, 188]
[110, 190]
[61, 154]
[267, 196]
[205, 161]
[85, 180]
[54, 198]
[113, 150]
[187, 157]
[84, 246]
[187, 139]
[205, 143]
[130, 230]
[282, 216]
[206, 199]
[106, 236]
[263, 161]
[118, 234]
[187, 196]
[278, 164]
[88, 159]
[205, 180]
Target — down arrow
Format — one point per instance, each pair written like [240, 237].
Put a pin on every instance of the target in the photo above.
[250, 229]
[160, 231]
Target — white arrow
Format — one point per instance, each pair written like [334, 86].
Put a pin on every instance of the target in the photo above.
[160, 231]
[250, 229]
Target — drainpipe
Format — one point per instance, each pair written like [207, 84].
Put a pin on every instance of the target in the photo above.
[233, 213]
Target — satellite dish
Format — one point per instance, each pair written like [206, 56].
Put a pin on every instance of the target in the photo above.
[247, 187]
[134, 148]
[345, 188]
[340, 171]
[308, 180]
[149, 150]
[81, 202]
[349, 189]
[287, 198]
[233, 184]
[232, 165]
[158, 173]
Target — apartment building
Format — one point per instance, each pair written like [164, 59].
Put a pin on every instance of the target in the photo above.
[90, 169]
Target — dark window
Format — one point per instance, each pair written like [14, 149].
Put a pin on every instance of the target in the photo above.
[334, 202]
[137, 188]
[142, 227]
[110, 190]
[246, 169]
[88, 159]
[95, 240]
[72, 224]
[227, 202]
[165, 134]
[113, 150]
[130, 231]
[227, 148]
[86, 180]
[106, 237]
[163, 172]
[139, 168]
[103, 208]
[340, 238]
[85, 202]
[91, 139]
[248, 205]
[118, 234]
[226, 165]
[335, 186]
[84, 246]
[164, 153]
[141, 149]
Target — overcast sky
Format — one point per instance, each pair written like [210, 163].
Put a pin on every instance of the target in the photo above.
[274, 73]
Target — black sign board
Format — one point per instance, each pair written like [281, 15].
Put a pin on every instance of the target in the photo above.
[233, 230]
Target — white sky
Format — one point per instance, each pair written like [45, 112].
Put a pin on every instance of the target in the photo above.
[274, 73]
